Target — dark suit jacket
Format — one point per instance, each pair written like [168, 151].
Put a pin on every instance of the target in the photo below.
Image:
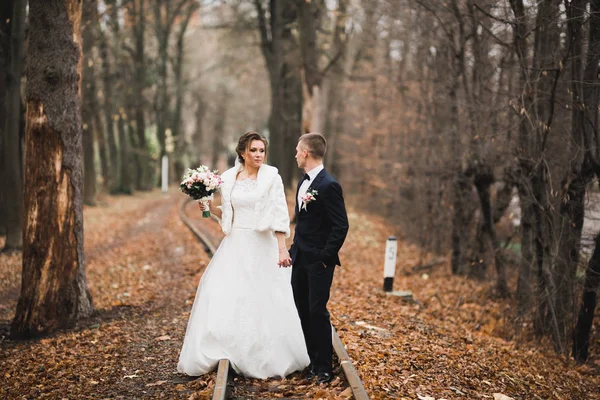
[321, 229]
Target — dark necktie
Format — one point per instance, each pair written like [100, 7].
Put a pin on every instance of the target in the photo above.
[306, 177]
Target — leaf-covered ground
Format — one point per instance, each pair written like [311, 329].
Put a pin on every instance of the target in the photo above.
[456, 340]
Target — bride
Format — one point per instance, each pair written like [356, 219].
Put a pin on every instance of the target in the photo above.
[244, 309]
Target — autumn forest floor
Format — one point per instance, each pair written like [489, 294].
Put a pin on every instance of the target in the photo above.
[455, 340]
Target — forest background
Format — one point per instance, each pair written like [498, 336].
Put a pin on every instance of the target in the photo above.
[471, 125]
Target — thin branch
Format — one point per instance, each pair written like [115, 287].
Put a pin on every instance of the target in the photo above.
[504, 21]
[331, 63]
[266, 44]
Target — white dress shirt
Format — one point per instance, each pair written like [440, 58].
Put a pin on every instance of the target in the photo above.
[306, 184]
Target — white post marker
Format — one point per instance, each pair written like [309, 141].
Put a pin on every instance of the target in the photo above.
[165, 174]
[389, 269]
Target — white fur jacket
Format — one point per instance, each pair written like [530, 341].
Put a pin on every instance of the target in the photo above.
[270, 211]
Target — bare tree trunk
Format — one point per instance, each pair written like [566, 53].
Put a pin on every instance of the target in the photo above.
[139, 84]
[198, 138]
[574, 183]
[89, 99]
[308, 22]
[462, 183]
[12, 167]
[545, 65]
[285, 120]
[5, 18]
[280, 51]
[54, 290]
[460, 222]
[483, 179]
[545, 315]
[180, 88]
[524, 170]
[219, 128]
[123, 183]
[581, 333]
[108, 84]
[161, 105]
[126, 185]
[102, 148]
[333, 90]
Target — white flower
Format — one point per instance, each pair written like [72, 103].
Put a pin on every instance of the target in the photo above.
[310, 195]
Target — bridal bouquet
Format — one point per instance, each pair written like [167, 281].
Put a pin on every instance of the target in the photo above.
[200, 184]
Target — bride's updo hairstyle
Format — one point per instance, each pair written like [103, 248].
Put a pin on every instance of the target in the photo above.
[245, 141]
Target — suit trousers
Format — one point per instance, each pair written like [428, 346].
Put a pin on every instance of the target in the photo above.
[311, 282]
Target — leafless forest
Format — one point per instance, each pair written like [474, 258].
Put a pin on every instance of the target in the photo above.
[471, 124]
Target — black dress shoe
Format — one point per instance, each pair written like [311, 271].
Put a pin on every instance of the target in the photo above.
[324, 377]
[309, 373]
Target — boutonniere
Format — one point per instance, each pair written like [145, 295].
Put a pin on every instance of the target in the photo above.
[311, 195]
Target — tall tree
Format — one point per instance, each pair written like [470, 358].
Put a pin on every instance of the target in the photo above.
[124, 179]
[90, 30]
[5, 18]
[180, 88]
[545, 65]
[589, 122]
[309, 22]
[575, 179]
[136, 11]
[165, 14]
[12, 167]
[108, 80]
[281, 52]
[332, 121]
[523, 153]
[218, 147]
[54, 290]
[198, 137]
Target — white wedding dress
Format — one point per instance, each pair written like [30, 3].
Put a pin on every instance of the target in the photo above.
[244, 309]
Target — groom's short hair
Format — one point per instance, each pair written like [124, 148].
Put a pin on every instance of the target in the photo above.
[315, 144]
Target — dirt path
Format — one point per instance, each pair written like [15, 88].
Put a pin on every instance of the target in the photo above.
[142, 266]
[455, 341]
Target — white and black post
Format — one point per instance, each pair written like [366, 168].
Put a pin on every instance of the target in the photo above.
[165, 174]
[389, 267]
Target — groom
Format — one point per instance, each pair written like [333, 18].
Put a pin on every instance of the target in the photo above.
[321, 227]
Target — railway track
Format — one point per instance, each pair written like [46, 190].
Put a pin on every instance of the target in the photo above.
[223, 382]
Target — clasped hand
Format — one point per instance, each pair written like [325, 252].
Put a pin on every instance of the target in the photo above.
[284, 259]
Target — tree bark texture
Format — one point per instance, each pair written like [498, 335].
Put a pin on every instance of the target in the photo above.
[180, 88]
[483, 180]
[136, 12]
[5, 17]
[573, 184]
[281, 52]
[545, 65]
[460, 222]
[585, 318]
[308, 23]
[581, 333]
[54, 290]
[524, 170]
[12, 166]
